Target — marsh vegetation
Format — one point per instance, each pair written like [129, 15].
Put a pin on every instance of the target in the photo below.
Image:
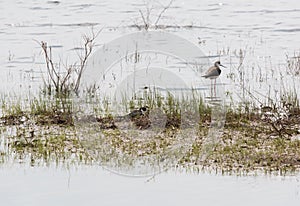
[49, 129]
[261, 131]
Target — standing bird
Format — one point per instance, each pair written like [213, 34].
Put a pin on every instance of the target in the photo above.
[213, 73]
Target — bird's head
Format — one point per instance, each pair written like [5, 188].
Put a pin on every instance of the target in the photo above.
[144, 109]
[218, 64]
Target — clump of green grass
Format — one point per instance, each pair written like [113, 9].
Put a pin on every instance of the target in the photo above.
[52, 111]
[42, 110]
[57, 145]
[12, 112]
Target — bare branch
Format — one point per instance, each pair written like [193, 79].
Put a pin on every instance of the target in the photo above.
[88, 47]
[144, 20]
[50, 66]
[64, 81]
[163, 11]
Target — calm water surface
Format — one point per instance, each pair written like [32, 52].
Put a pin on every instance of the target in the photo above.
[265, 30]
[21, 185]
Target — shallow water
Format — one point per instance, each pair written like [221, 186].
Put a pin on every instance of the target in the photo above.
[265, 31]
[94, 186]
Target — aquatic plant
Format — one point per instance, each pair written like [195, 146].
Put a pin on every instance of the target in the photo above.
[67, 81]
[148, 18]
[293, 64]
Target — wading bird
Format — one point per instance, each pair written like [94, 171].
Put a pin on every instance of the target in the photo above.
[213, 73]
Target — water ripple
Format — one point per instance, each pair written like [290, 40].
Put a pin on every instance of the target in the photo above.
[53, 2]
[39, 8]
[287, 30]
[268, 11]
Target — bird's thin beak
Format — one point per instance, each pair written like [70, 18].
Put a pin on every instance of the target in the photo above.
[222, 65]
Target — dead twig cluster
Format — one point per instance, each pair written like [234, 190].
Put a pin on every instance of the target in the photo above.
[147, 16]
[293, 64]
[67, 80]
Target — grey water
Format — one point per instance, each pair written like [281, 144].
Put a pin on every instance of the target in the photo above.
[93, 186]
[265, 31]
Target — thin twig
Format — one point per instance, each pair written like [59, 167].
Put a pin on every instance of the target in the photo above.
[144, 20]
[50, 66]
[163, 11]
[88, 47]
[64, 82]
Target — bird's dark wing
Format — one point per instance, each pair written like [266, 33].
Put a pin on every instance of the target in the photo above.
[211, 72]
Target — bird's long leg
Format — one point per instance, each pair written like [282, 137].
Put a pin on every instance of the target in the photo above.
[211, 88]
[215, 87]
